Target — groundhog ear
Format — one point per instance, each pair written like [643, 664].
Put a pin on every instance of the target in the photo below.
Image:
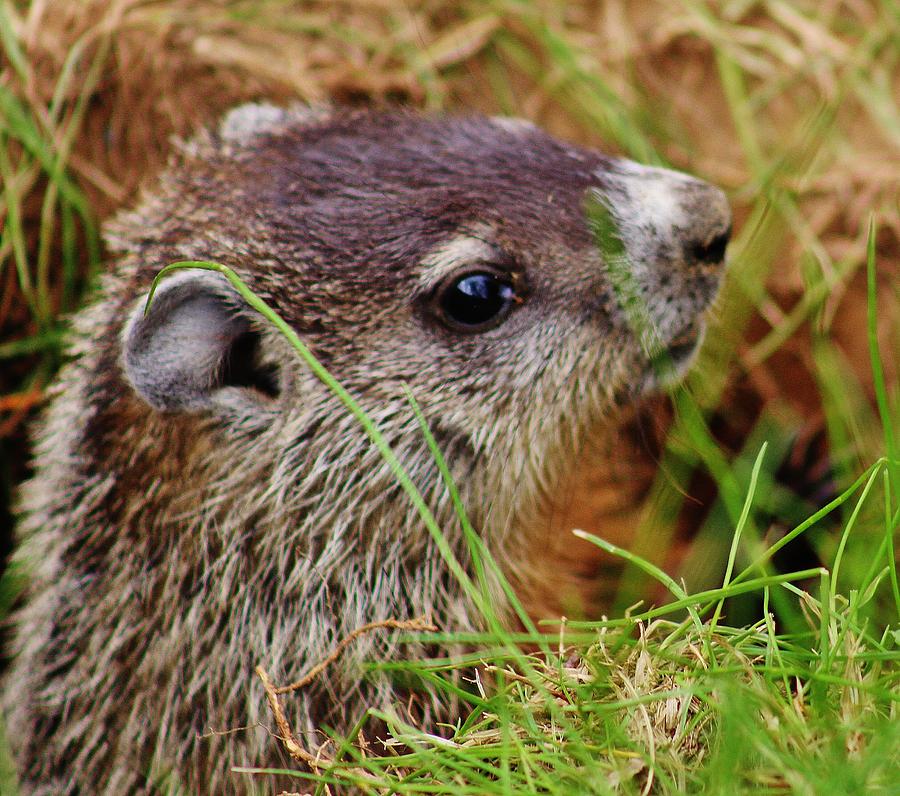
[196, 347]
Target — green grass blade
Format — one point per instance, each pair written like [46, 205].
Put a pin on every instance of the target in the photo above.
[739, 530]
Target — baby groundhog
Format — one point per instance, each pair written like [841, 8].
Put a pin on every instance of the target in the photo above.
[202, 503]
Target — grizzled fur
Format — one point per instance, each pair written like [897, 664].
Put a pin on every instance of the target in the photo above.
[202, 503]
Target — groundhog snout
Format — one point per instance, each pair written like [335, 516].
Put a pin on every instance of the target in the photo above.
[673, 230]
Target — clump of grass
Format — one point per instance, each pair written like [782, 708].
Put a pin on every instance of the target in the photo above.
[654, 703]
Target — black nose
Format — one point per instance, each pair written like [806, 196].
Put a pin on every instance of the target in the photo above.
[711, 250]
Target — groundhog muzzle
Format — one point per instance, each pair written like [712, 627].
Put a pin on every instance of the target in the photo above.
[202, 503]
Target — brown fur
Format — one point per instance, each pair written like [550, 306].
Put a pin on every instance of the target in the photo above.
[174, 547]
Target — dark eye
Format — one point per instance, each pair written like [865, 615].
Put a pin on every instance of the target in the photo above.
[476, 301]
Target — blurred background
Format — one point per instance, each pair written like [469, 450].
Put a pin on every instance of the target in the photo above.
[792, 107]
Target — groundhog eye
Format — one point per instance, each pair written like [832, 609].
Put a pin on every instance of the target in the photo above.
[475, 302]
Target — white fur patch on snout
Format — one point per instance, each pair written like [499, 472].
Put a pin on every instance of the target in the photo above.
[663, 217]
[672, 205]
[668, 231]
[651, 194]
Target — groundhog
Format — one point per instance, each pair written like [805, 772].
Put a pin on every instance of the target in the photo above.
[202, 502]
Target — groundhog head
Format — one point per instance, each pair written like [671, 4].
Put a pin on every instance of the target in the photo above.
[519, 285]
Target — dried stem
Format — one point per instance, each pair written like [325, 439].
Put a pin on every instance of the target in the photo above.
[420, 624]
[293, 746]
